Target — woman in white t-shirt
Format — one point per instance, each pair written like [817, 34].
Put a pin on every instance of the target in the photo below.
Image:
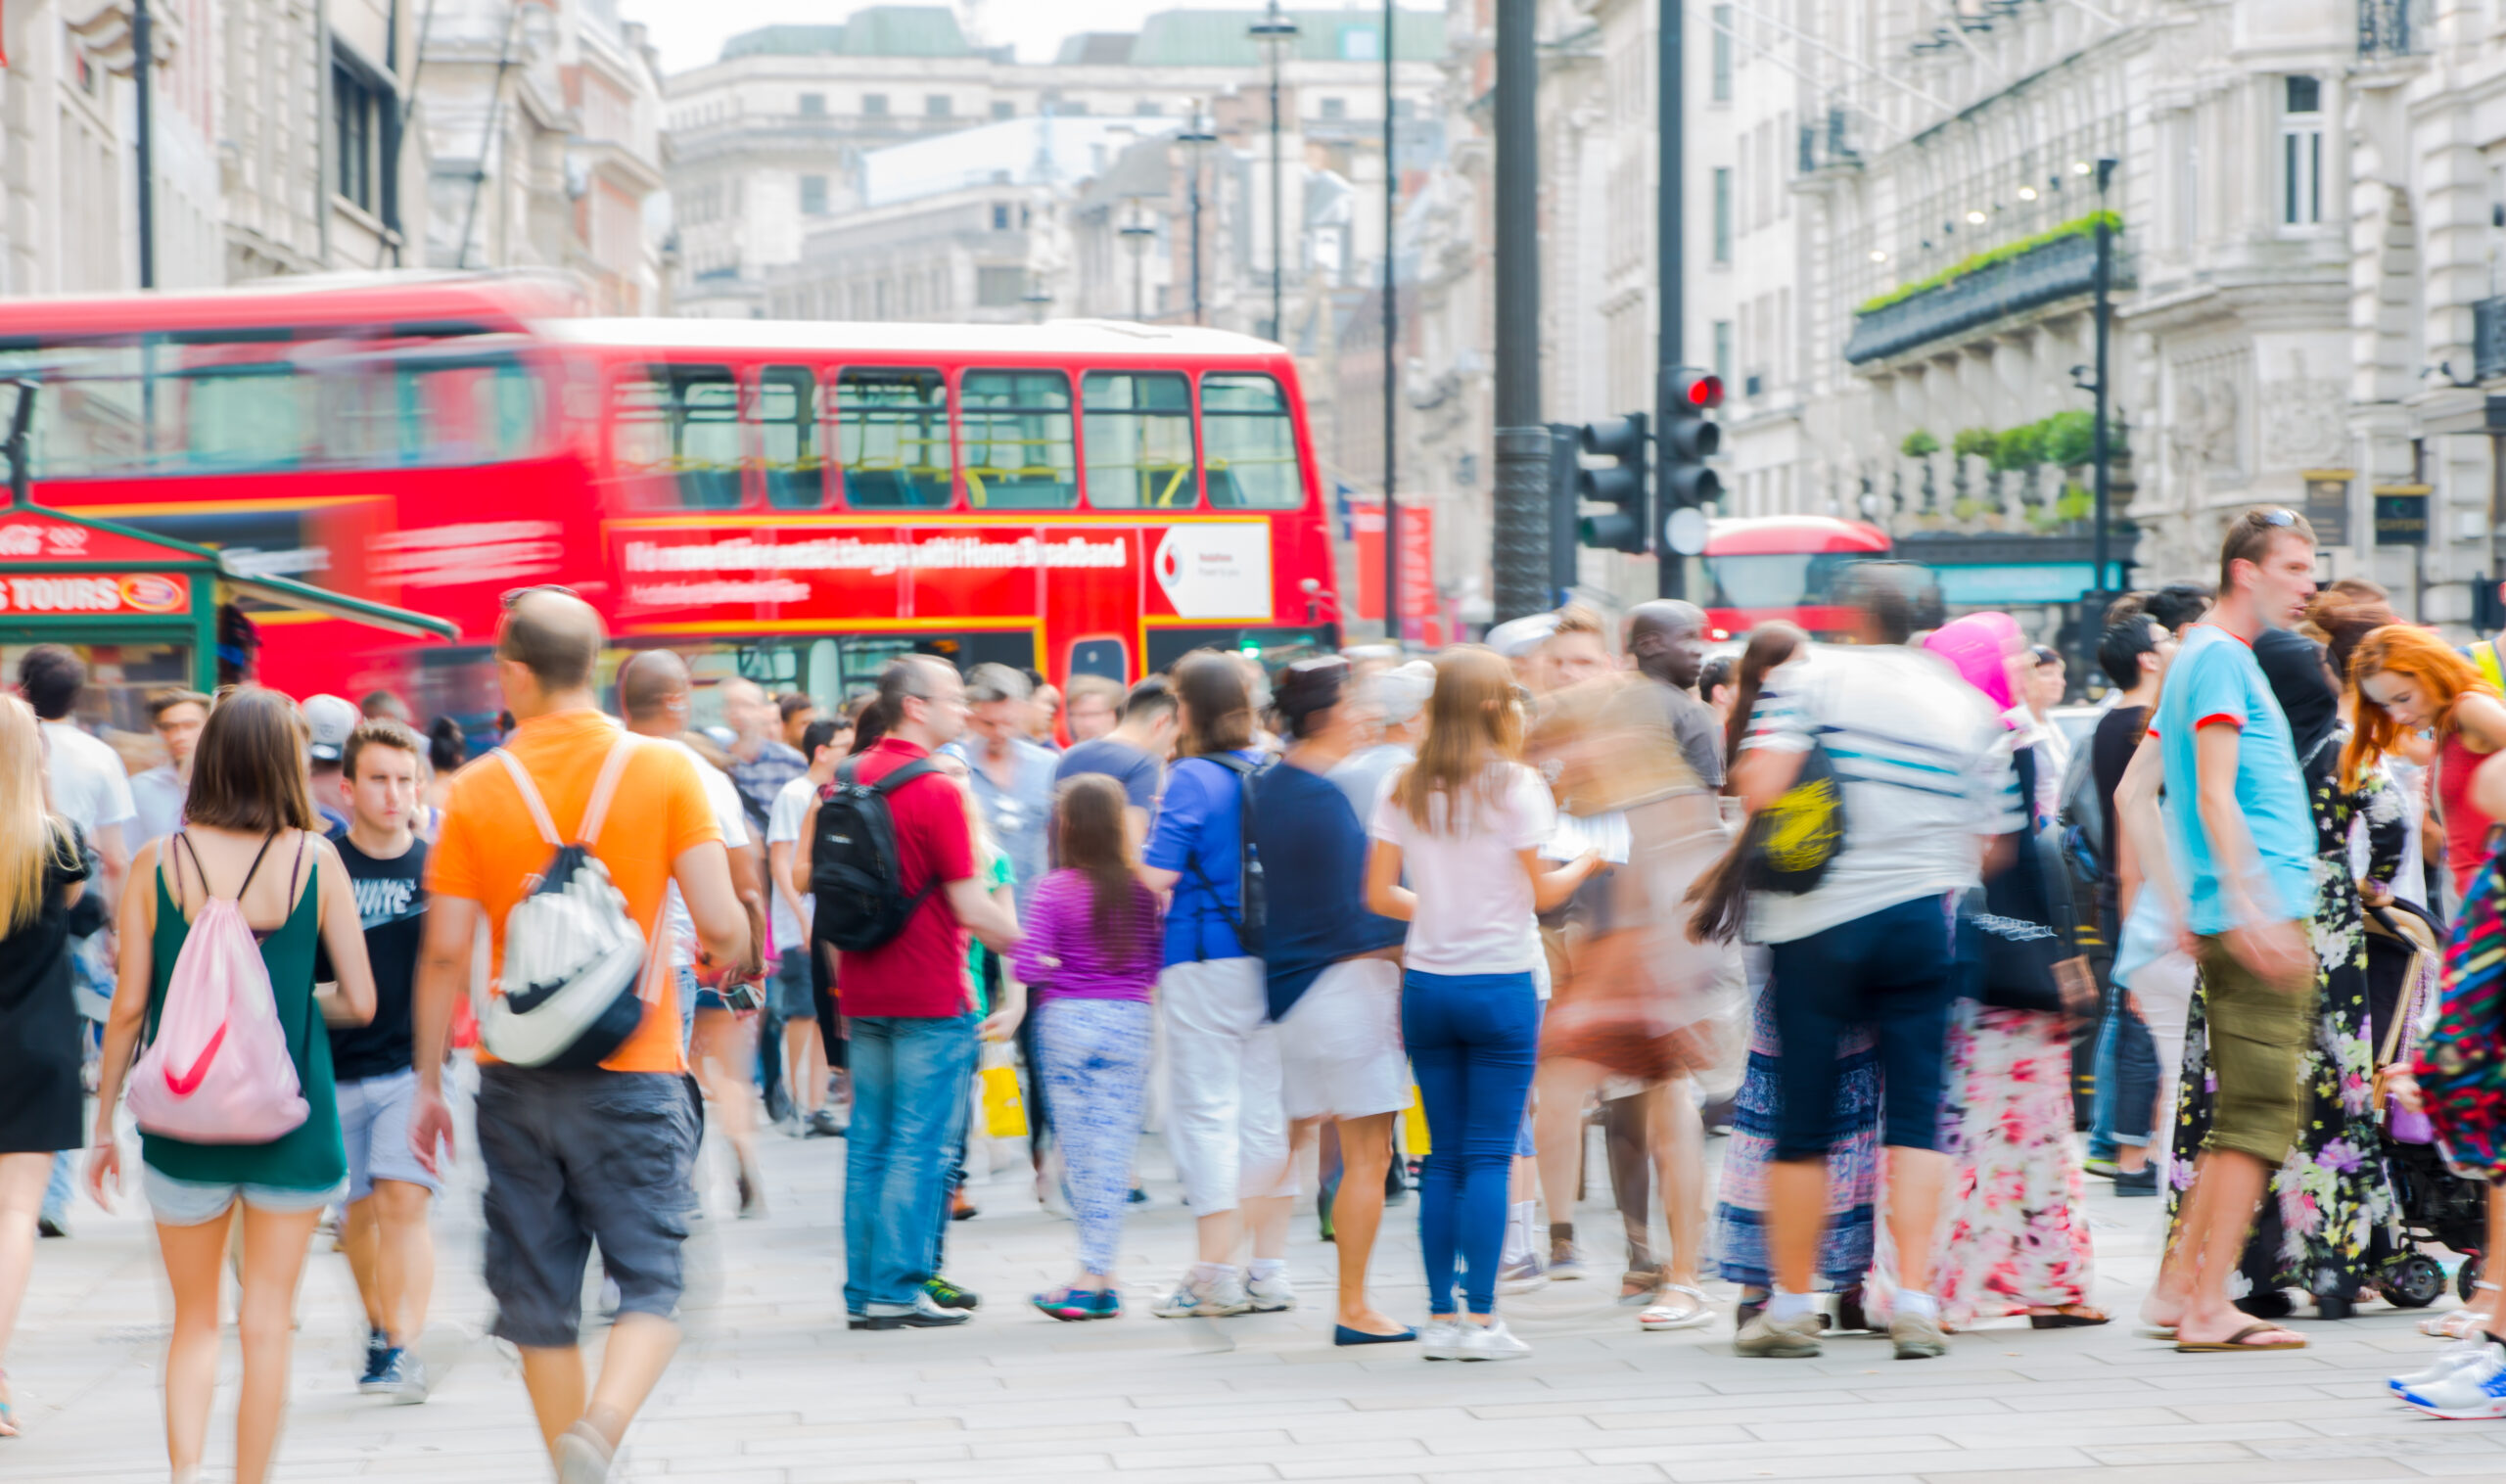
[1466, 822]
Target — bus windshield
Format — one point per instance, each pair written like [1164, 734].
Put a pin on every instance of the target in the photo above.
[1784, 580]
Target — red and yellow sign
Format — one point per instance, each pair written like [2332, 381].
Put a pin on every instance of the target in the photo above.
[137, 594]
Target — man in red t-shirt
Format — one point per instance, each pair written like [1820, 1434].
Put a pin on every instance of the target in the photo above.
[908, 1012]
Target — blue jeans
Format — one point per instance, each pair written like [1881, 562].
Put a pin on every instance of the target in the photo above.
[1472, 1039]
[2127, 1080]
[909, 1111]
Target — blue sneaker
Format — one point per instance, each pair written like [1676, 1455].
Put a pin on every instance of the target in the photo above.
[378, 1353]
[2474, 1392]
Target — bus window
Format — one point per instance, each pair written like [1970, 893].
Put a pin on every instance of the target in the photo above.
[787, 414]
[682, 421]
[892, 439]
[467, 413]
[1017, 431]
[1140, 439]
[1249, 444]
[240, 417]
[90, 417]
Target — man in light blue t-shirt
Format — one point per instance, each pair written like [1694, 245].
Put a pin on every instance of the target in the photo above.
[2239, 833]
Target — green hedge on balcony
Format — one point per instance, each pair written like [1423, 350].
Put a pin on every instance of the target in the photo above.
[2080, 227]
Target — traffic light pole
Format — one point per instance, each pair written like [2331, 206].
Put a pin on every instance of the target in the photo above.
[1522, 442]
[1671, 343]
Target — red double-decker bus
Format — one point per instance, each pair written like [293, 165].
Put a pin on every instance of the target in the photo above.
[1763, 568]
[795, 502]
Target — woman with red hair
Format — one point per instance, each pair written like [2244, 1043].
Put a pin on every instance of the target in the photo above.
[2403, 681]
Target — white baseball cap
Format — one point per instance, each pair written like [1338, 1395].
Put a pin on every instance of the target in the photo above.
[330, 720]
[1516, 638]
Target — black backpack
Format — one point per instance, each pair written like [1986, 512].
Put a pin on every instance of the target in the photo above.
[854, 870]
[1252, 894]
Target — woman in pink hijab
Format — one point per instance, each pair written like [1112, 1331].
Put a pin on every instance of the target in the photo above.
[2014, 1239]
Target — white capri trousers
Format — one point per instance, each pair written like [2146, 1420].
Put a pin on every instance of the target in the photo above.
[1229, 1124]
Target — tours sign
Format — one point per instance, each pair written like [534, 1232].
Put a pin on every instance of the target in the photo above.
[136, 595]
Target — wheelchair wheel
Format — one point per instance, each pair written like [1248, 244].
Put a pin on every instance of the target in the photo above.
[2414, 1281]
[2467, 1278]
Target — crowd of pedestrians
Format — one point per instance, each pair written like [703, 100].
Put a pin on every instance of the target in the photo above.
[1939, 961]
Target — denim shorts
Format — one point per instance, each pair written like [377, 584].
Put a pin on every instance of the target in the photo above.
[578, 1157]
[194, 1203]
[374, 1124]
[794, 998]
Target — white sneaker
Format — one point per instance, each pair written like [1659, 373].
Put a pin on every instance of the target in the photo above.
[1212, 1299]
[1491, 1341]
[2449, 1360]
[1271, 1295]
[1440, 1339]
[2472, 1392]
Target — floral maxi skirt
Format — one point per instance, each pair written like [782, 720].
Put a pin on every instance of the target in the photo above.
[2014, 1231]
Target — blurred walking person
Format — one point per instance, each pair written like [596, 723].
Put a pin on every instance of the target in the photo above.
[576, 1155]
[1090, 960]
[248, 808]
[156, 794]
[1332, 973]
[2014, 1232]
[2236, 815]
[1228, 1126]
[43, 870]
[1466, 822]
[804, 1049]
[1870, 942]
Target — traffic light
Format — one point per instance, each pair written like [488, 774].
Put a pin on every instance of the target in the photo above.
[1619, 483]
[1688, 439]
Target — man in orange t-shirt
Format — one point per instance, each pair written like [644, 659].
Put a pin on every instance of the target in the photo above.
[600, 1154]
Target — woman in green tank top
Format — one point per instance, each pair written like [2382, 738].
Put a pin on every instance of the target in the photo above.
[248, 834]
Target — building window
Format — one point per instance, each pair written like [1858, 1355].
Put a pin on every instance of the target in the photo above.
[360, 117]
[1336, 109]
[1000, 216]
[2301, 154]
[1000, 288]
[1723, 214]
[874, 105]
[1148, 107]
[936, 106]
[1722, 25]
[1004, 108]
[813, 104]
[813, 196]
[1723, 351]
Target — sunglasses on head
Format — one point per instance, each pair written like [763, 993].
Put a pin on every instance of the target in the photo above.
[2279, 518]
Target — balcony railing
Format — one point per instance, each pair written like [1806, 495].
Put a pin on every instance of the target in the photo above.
[2061, 268]
[2394, 28]
[2489, 340]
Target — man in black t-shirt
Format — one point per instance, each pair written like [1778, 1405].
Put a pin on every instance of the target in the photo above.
[388, 1247]
[2134, 655]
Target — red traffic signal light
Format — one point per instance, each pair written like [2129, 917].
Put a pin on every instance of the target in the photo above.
[1701, 390]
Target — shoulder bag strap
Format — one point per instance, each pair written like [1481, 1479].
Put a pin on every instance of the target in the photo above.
[596, 813]
[531, 799]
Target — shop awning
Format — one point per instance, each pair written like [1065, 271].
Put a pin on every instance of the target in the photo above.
[286, 592]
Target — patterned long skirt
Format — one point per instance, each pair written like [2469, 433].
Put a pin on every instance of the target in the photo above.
[1853, 1162]
[2014, 1232]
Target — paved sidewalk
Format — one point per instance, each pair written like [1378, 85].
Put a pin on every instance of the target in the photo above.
[771, 1389]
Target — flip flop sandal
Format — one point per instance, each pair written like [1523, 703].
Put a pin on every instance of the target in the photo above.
[2065, 1320]
[1670, 1317]
[2237, 1342]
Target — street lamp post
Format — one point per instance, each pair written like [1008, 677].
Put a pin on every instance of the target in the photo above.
[1137, 235]
[1196, 136]
[1391, 324]
[1276, 33]
[2098, 444]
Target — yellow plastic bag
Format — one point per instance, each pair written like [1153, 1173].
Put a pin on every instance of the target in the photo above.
[1004, 1114]
[1414, 1126]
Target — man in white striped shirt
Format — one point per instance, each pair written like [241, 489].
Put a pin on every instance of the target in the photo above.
[1926, 781]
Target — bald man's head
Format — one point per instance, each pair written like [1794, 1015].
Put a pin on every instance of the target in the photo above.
[649, 682]
[555, 635]
[1667, 639]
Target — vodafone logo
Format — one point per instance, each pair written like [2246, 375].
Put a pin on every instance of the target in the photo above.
[1216, 570]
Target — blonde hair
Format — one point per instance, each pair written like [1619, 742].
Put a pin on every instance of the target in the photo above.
[1472, 723]
[29, 831]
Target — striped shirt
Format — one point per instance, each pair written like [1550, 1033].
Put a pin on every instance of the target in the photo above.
[1065, 958]
[1926, 770]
